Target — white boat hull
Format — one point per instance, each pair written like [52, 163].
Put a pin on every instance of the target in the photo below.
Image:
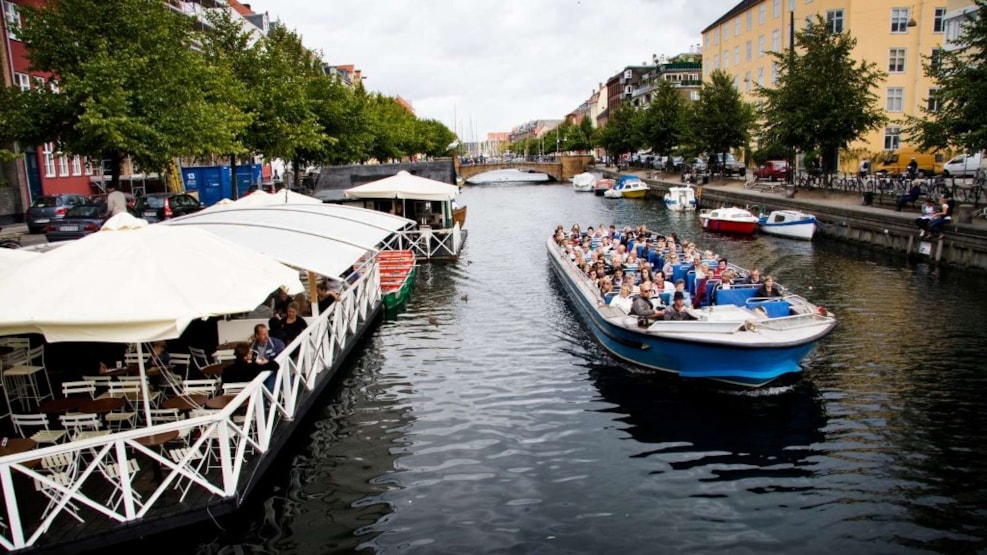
[788, 223]
[584, 182]
[680, 199]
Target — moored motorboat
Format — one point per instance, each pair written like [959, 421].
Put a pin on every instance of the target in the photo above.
[602, 186]
[729, 220]
[583, 182]
[794, 224]
[628, 186]
[397, 275]
[680, 199]
[743, 340]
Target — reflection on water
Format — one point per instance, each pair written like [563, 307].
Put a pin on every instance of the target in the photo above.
[483, 418]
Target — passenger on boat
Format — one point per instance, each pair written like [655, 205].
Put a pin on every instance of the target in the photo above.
[768, 288]
[264, 345]
[606, 286]
[754, 277]
[679, 310]
[728, 278]
[645, 274]
[622, 301]
[246, 365]
[662, 285]
[721, 266]
[288, 327]
[670, 261]
[641, 305]
[680, 288]
[618, 277]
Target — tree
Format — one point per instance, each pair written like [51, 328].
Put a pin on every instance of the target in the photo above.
[580, 138]
[823, 100]
[434, 138]
[956, 116]
[720, 120]
[128, 84]
[664, 119]
[622, 133]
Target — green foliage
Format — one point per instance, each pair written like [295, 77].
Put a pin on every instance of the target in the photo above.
[434, 138]
[823, 100]
[622, 133]
[770, 152]
[720, 121]
[664, 120]
[129, 83]
[961, 117]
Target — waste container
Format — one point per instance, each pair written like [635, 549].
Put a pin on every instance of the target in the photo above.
[868, 198]
[705, 180]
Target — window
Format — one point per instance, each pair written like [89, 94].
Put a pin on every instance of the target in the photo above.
[761, 12]
[23, 81]
[776, 9]
[13, 18]
[776, 40]
[89, 166]
[791, 5]
[750, 19]
[716, 36]
[736, 27]
[747, 81]
[892, 137]
[774, 74]
[932, 102]
[760, 76]
[736, 82]
[896, 60]
[834, 20]
[63, 165]
[716, 62]
[935, 58]
[896, 99]
[39, 82]
[760, 46]
[937, 25]
[54, 87]
[76, 165]
[736, 55]
[726, 60]
[49, 158]
[899, 20]
[748, 51]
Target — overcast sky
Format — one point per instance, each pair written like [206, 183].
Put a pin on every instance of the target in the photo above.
[490, 65]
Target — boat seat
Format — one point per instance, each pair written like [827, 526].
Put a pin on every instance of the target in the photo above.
[775, 308]
[736, 296]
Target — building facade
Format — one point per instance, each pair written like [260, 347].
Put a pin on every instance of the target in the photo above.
[896, 36]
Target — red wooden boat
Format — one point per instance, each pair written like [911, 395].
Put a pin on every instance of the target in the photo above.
[602, 186]
[729, 220]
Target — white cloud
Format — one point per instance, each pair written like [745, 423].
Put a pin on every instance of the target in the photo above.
[497, 64]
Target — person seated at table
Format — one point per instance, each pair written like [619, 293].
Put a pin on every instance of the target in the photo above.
[288, 327]
[279, 304]
[265, 346]
[159, 356]
[326, 296]
[246, 365]
[768, 288]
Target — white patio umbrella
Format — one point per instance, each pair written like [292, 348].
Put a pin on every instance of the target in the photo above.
[132, 282]
[13, 257]
[284, 196]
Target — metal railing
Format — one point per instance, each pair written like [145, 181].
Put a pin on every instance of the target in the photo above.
[96, 481]
[428, 242]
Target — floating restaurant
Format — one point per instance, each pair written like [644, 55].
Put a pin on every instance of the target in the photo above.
[146, 447]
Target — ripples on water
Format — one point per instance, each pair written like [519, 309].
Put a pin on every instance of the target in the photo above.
[483, 418]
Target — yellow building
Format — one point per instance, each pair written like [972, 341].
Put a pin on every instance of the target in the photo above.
[894, 34]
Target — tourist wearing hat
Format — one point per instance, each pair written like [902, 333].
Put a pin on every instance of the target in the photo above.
[678, 310]
[116, 202]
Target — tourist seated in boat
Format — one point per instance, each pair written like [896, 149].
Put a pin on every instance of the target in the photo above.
[680, 287]
[768, 288]
[912, 195]
[721, 266]
[678, 310]
[247, 364]
[662, 285]
[631, 263]
[753, 277]
[670, 261]
[618, 277]
[641, 304]
[728, 278]
[645, 274]
[622, 301]
[574, 233]
[606, 286]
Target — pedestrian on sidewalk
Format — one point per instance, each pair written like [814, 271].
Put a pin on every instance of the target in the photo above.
[116, 202]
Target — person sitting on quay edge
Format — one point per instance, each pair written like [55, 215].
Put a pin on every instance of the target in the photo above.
[768, 288]
[911, 196]
[266, 347]
[246, 365]
[641, 305]
[679, 310]
[928, 212]
[943, 215]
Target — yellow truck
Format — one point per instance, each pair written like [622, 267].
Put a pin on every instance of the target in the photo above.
[896, 162]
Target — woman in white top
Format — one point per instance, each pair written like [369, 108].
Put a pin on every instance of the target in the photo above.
[623, 300]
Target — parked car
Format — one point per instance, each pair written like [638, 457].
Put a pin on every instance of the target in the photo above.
[78, 222]
[964, 165]
[772, 170]
[163, 206]
[101, 199]
[698, 165]
[727, 165]
[49, 208]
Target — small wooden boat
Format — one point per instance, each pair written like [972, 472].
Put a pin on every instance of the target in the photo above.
[729, 220]
[397, 275]
[680, 199]
[628, 186]
[602, 186]
[794, 224]
[583, 182]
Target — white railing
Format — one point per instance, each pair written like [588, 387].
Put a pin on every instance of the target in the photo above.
[96, 481]
[429, 243]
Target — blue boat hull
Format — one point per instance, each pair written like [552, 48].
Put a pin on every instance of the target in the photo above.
[752, 366]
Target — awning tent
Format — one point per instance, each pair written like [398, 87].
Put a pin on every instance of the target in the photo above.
[284, 196]
[327, 239]
[404, 186]
[14, 257]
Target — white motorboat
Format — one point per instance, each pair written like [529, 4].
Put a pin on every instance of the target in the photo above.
[793, 224]
[680, 199]
[628, 186]
[584, 182]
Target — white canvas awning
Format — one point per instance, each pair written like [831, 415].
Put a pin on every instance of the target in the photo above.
[14, 257]
[404, 186]
[133, 282]
[284, 196]
[327, 239]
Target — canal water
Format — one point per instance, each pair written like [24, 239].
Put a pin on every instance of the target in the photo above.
[483, 418]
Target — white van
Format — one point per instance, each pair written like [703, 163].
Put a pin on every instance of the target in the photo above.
[964, 165]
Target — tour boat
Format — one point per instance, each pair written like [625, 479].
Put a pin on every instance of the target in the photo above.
[742, 340]
[680, 199]
[583, 182]
[729, 220]
[794, 224]
[628, 186]
[602, 186]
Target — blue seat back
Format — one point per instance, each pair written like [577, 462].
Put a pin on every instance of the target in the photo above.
[666, 298]
[735, 295]
[775, 308]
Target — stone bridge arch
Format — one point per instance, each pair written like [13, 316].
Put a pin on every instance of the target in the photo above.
[560, 170]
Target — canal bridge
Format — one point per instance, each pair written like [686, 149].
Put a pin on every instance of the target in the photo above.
[559, 169]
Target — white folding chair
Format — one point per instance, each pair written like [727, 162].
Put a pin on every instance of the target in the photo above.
[81, 426]
[199, 387]
[20, 346]
[44, 435]
[199, 357]
[234, 387]
[60, 469]
[99, 382]
[131, 358]
[224, 355]
[85, 388]
[112, 471]
[180, 364]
